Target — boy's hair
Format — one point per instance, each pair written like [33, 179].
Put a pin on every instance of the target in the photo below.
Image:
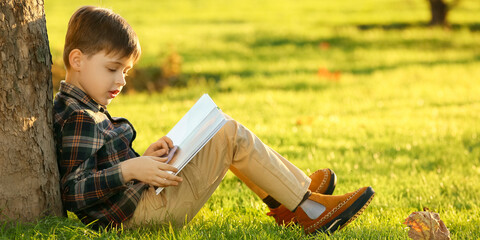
[93, 29]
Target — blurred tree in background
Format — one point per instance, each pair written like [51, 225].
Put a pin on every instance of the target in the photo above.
[439, 11]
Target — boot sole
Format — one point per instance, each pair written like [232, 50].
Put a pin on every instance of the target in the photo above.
[350, 214]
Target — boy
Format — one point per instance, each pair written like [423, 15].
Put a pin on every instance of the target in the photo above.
[106, 183]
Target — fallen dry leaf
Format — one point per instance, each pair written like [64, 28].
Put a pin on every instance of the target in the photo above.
[305, 120]
[426, 225]
[324, 45]
[325, 73]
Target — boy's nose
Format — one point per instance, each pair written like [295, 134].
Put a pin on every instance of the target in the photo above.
[121, 80]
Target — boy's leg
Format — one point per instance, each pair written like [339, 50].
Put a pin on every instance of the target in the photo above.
[299, 174]
[233, 145]
[265, 171]
[257, 190]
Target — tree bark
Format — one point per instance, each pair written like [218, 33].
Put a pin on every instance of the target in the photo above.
[438, 12]
[29, 178]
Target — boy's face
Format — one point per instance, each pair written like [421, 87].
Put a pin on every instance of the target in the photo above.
[101, 76]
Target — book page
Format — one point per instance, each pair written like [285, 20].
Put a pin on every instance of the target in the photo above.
[191, 120]
[194, 130]
[198, 138]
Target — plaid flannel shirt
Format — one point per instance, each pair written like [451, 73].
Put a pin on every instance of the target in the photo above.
[90, 145]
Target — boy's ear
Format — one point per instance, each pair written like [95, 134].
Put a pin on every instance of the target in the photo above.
[75, 58]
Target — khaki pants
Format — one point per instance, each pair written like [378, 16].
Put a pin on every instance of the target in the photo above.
[236, 148]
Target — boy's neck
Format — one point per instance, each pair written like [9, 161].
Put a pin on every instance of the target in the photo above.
[68, 77]
[71, 78]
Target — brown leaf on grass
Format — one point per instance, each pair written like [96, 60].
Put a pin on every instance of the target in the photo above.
[426, 225]
[305, 120]
[327, 74]
[324, 45]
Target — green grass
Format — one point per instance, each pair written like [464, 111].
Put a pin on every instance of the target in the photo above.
[403, 116]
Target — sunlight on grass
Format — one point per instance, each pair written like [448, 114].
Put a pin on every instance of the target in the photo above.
[363, 89]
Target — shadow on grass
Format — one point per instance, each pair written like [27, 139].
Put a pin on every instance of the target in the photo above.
[231, 21]
[370, 70]
[248, 73]
[294, 85]
[403, 26]
[267, 47]
[149, 79]
[347, 44]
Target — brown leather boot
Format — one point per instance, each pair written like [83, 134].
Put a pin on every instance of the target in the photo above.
[340, 210]
[323, 181]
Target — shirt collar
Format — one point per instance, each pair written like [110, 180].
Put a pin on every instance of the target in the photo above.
[81, 96]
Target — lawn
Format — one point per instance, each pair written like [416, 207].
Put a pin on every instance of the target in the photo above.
[365, 89]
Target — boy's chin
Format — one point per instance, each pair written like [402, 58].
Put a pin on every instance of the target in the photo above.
[108, 101]
[104, 102]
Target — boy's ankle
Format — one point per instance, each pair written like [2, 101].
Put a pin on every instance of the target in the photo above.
[271, 202]
[305, 197]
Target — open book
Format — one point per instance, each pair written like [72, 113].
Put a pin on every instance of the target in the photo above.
[194, 130]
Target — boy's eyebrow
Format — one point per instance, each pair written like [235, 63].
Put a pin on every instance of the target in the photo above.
[116, 62]
[119, 63]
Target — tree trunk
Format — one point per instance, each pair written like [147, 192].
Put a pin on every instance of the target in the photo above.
[439, 12]
[29, 178]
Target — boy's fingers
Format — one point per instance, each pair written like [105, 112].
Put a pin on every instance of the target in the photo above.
[161, 182]
[168, 141]
[169, 176]
[167, 167]
[159, 159]
[160, 144]
[160, 153]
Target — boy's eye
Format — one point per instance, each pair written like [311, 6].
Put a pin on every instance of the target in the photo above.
[112, 69]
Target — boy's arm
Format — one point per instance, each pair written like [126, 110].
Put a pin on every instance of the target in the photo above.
[82, 185]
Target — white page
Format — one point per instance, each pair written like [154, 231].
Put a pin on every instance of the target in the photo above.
[193, 143]
[194, 130]
[192, 119]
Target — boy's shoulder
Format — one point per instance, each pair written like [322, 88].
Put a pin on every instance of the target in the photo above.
[64, 107]
[71, 104]
[67, 109]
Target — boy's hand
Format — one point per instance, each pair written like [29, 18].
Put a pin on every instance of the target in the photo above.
[159, 148]
[151, 170]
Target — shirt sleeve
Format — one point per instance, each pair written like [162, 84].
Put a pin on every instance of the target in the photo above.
[82, 184]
